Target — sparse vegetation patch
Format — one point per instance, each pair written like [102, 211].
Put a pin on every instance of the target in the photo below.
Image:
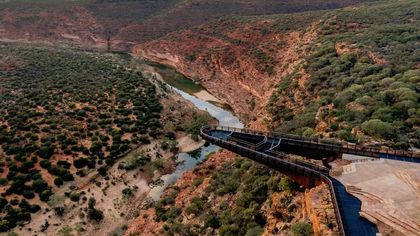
[63, 114]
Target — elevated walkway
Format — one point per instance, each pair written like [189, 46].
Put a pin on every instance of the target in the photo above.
[272, 150]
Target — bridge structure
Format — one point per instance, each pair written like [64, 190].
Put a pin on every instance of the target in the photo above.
[274, 150]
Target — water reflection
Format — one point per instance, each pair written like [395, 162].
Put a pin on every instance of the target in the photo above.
[189, 160]
[225, 118]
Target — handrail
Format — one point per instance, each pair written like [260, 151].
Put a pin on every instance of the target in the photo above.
[335, 205]
[275, 146]
[252, 145]
[321, 175]
[300, 162]
[278, 154]
[340, 146]
[203, 134]
[259, 144]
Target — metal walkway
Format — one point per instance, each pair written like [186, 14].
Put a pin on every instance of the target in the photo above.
[264, 147]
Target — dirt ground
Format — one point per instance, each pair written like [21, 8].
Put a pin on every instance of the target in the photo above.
[187, 144]
[116, 207]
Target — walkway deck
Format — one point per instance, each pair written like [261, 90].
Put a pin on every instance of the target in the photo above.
[265, 148]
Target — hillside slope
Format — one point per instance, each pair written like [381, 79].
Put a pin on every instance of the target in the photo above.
[248, 55]
[231, 195]
[118, 24]
[350, 73]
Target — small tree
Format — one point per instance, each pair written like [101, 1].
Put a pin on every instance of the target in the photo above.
[287, 184]
[378, 128]
[302, 229]
[93, 213]
[58, 181]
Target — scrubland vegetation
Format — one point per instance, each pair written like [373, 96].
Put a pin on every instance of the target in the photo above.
[63, 114]
[134, 21]
[365, 66]
[231, 203]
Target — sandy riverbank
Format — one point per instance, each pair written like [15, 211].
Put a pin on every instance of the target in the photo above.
[187, 144]
[206, 96]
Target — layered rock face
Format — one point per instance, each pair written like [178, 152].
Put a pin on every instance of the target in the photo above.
[247, 58]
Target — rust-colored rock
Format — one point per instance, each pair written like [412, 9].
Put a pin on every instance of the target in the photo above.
[320, 210]
[246, 61]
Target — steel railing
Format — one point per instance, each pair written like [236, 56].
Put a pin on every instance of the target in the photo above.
[246, 143]
[254, 146]
[300, 162]
[328, 145]
[323, 177]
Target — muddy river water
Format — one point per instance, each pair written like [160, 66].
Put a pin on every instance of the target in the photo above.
[348, 204]
[189, 90]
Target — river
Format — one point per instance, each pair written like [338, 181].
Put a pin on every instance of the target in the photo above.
[348, 204]
[188, 90]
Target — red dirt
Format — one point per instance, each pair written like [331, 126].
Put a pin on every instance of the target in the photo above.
[231, 56]
[145, 224]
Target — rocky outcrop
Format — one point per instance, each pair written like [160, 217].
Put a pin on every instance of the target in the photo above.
[320, 210]
[249, 59]
[313, 205]
[285, 210]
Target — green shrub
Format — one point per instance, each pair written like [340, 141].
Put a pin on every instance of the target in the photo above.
[3, 181]
[45, 195]
[4, 225]
[197, 182]
[127, 192]
[196, 206]
[75, 196]
[378, 128]
[58, 181]
[302, 229]
[346, 135]
[135, 160]
[229, 230]
[212, 221]
[93, 213]
[254, 231]
[287, 184]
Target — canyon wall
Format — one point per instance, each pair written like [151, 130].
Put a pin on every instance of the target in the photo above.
[239, 61]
